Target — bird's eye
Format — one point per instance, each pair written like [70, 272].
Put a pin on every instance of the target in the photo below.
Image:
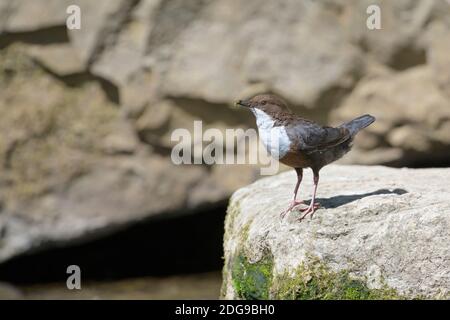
[263, 102]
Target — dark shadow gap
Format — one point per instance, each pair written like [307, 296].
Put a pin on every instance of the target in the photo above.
[50, 35]
[407, 57]
[111, 90]
[211, 112]
[157, 247]
[80, 78]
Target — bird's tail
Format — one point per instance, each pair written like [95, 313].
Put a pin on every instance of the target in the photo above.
[358, 123]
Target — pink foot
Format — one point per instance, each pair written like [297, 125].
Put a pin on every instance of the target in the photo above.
[316, 206]
[310, 210]
[293, 204]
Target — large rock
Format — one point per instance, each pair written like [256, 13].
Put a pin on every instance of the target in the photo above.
[166, 63]
[241, 42]
[73, 167]
[209, 53]
[381, 233]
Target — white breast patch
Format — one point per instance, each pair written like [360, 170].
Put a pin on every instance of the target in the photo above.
[275, 139]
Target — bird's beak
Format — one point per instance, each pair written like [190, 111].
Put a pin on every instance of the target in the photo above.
[243, 103]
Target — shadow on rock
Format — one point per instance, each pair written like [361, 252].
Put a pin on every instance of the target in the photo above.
[337, 201]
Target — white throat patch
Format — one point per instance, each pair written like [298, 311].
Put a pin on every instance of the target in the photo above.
[275, 139]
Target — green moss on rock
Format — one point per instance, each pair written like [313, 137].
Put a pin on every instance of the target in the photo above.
[317, 281]
[252, 280]
[311, 281]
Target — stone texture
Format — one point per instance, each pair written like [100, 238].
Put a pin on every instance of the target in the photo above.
[398, 42]
[32, 15]
[312, 53]
[106, 98]
[101, 21]
[74, 169]
[4, 14]
[402, 104]
[50, 57]
[109, 195]
[438, 53]
[124, 56]
[385, 227]
[243, 51]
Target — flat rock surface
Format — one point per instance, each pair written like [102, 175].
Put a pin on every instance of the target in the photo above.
[388, 227]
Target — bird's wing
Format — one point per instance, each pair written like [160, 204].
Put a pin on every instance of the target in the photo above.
[313, 137]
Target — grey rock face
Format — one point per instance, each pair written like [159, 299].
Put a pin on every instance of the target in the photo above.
[104, 100]
[388, 228]
[390, 97]
[73, 168]
[100, 23]
[223, 40]
[316, 54]
[439, 46]
[32, 15]
[49, 57]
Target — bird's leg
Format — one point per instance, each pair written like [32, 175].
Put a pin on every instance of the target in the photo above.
[294, 202]
[313, 206]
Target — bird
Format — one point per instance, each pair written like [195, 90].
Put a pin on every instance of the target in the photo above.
[301, 143]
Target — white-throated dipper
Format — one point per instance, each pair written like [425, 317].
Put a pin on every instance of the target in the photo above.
[301, 143]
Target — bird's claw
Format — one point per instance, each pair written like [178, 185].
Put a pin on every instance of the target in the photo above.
[316, 206]
[310, 210]
[291, 207]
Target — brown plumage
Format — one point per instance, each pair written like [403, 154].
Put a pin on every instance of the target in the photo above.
[302, 143]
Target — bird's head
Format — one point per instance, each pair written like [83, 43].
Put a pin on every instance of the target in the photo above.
[267, 103]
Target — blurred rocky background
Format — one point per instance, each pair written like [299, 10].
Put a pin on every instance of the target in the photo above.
[86, 116]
